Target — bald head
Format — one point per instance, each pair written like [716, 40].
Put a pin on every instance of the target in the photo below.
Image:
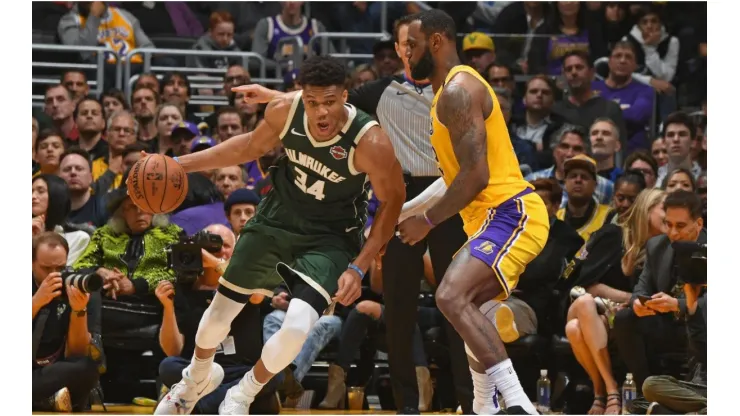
[229, 240]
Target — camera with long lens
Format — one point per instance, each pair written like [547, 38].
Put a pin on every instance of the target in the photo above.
[690, 261]
[84, 282]
[185, 257]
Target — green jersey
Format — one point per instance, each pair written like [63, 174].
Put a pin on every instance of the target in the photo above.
[318, 181]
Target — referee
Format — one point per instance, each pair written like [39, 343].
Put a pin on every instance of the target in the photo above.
[402, 107]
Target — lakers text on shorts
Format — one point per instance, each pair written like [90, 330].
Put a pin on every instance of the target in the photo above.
[510, 236]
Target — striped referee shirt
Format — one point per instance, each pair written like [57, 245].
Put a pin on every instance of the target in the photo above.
[402, 107]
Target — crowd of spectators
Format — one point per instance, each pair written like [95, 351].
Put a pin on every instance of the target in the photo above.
[606, 107]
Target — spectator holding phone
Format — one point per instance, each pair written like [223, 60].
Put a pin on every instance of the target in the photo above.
[606, 268]
[655, 321]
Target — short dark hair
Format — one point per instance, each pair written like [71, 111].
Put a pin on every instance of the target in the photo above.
[551, 186]
[135, 147]
[544, 78]
[45, 134]
[322, 71]
[51, 239]
[75, 150]
[624, 44]
[644, 156]
[631, 176]
[680, 117]
[51, 87]
[72, 71]
[498, 64]
[583, 55]
[404, 20]
[436, 21]
[687, 200]
[114, 93]
[227, 109]
[86, 99]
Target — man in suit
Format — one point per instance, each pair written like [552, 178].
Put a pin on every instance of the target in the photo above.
[643, 329]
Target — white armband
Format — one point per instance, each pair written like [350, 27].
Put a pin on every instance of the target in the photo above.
[424, 200]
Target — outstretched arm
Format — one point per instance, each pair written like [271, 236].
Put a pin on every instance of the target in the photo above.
[460, 109]
[244, 147]
[375, 157]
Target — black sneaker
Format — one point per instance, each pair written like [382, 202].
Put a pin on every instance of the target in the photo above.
[514, 410]
[409, 411]
[656, 408]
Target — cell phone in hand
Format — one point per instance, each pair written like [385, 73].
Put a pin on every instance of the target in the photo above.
[643, 299]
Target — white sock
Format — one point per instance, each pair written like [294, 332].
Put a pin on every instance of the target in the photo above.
[503, 376]
[485, 401]
[199, 369]
[250, 386]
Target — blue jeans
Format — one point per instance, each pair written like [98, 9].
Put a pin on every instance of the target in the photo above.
[170, 372]
[326, 329]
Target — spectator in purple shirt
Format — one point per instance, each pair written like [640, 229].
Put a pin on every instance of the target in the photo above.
[203, 206]
[634, 98]
[568, 29]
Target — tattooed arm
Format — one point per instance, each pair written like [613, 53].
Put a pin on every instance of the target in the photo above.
[461, 109]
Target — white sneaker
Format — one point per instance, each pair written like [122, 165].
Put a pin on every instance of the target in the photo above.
[235, 402]
[183, 396]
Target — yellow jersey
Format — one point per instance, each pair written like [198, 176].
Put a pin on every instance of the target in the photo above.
[117, 32]
[598, 217]
[505, 178]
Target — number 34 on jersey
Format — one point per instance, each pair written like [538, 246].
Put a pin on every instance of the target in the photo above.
[303, 180]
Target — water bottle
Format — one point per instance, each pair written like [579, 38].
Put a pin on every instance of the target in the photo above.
[543, 392]
[629, 392]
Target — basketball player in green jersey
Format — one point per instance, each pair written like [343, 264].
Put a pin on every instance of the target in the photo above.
[308, 231]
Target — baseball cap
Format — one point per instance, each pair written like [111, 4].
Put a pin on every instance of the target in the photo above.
[186, 126]
[202, 143]
[477, 40]
[241, 196]
[582, 162]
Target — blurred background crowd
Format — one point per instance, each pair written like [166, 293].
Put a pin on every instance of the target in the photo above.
[607, 113]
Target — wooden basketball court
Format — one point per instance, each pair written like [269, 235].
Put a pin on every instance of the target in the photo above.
[145, 410]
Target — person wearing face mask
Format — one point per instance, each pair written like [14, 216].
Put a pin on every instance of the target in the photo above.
[656, 323]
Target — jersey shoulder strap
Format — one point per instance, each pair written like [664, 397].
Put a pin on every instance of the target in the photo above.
[295, 115]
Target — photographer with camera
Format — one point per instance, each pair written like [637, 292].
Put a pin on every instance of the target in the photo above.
[64, 316]
[652, 323]
[198, 262]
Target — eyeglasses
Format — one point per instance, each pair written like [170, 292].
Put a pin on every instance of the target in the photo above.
[122, 130]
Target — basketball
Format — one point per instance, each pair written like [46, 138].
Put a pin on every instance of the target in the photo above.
[157, 184]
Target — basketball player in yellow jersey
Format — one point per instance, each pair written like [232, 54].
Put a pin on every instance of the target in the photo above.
[506, 222]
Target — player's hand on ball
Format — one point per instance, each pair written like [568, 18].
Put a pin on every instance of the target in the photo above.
[255, 93]
[350, 288]
[413, 229]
